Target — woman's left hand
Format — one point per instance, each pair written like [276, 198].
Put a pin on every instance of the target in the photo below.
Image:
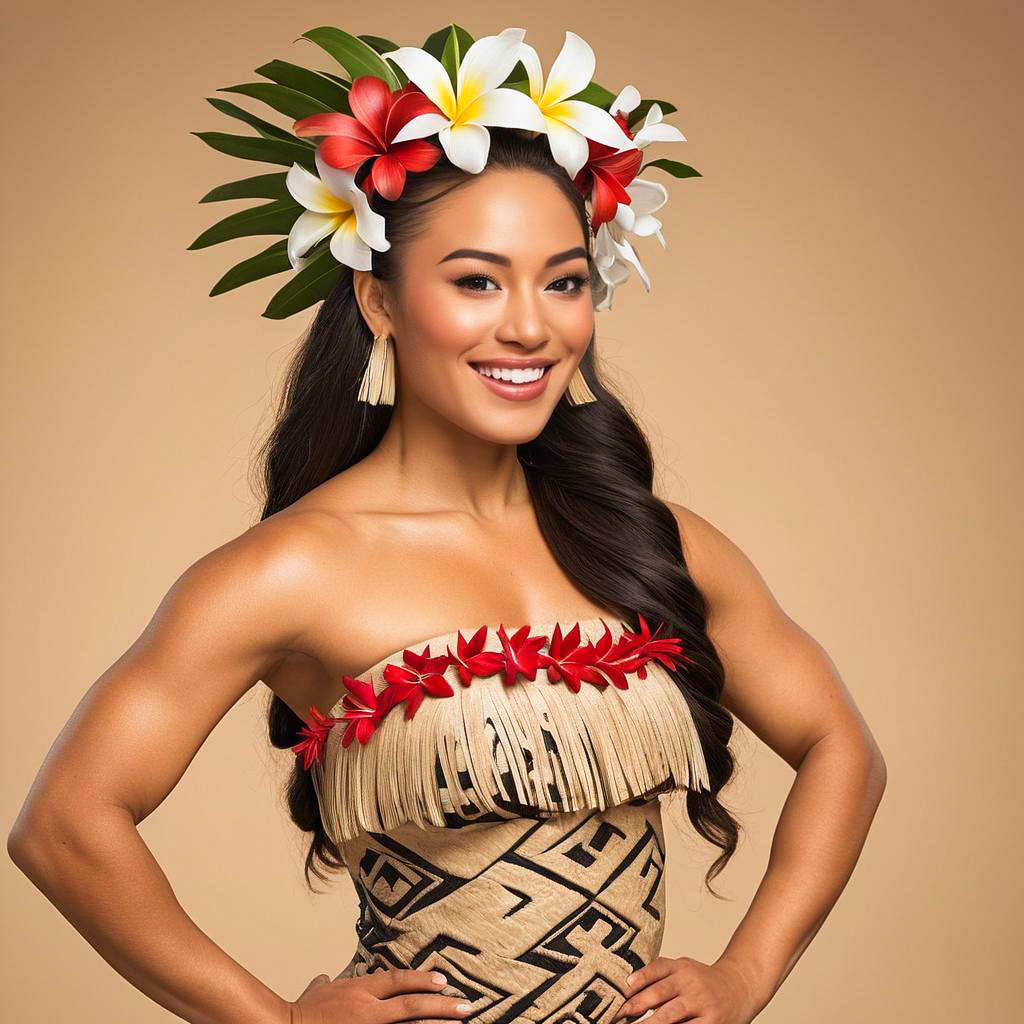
[685, 989]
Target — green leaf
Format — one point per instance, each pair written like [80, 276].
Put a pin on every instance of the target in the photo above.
[354, 55]
[252, 147]
[290, 102]
[380, 44]
[455, 47]
[596, 94]
[521, 85]
[337, 78]
[273, 218]
[311, 83]
[638, 113]
[262, 186]
[273, 260]
[674, 167]
[310, 284]
[265, 128]
[436, 42]
[518, 75]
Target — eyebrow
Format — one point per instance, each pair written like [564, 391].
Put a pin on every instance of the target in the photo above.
[577, 252]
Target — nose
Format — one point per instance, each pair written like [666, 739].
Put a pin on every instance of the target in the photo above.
[523, 320]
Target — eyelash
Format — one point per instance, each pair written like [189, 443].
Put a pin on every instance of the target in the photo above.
[579, 280]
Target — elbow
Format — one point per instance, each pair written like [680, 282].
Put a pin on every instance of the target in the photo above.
[36, 841]
[24, 848]
[30, 838]
[877, 772]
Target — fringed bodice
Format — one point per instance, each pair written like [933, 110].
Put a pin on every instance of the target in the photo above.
[474, 726]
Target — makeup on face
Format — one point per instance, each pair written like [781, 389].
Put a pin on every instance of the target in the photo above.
[497, 286]
[516, 379]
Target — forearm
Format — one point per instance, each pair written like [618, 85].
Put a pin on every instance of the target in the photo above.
[105, 881]
[817, 842]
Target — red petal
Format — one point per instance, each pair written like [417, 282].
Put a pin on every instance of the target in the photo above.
[608, 193]
[437, 686]
[346, 154]
[328, 124]
[413, 702]
[388, 176]
[417, 155]
[370, 100]
[365, 729]
[406, 106]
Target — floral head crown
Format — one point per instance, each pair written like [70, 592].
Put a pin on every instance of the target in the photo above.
[398, 111]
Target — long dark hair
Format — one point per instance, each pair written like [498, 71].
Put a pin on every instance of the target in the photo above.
[590, 475]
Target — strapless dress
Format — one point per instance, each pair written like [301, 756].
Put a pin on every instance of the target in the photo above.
[498, 806]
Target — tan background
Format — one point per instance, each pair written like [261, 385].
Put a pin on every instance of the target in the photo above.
[829, 365]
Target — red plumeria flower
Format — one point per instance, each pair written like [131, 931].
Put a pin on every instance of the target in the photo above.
[472, 660]
[606, 174]
[420, 674]
[379, 115]
[568, 660]
[521, 653]
[316, 735]
[666, 650]
[362, 710]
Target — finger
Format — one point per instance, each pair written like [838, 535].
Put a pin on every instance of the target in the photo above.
[653, 971]
[421, 1006]
[672, 1012]
[654, 994]
[404, 979]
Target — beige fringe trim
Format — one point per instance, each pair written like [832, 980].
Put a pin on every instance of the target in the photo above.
[611, 746]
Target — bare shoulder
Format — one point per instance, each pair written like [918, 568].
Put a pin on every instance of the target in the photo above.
[720, 568]
[287, 565]
[779, 680]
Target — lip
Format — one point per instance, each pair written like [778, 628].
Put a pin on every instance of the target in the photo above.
[514, 392]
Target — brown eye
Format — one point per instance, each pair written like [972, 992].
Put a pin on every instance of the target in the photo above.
[461, 282]
[577, 279]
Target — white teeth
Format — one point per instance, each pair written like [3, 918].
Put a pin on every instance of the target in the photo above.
[513, 376]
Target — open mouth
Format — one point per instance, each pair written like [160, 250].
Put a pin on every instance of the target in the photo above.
[509, 376]
[520, 383]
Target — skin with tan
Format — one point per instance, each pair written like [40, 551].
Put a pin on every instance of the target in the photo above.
[433, 531]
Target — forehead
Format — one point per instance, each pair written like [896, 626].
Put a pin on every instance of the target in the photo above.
[521, 213]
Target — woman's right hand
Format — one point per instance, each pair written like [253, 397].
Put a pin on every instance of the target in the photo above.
[379, 997]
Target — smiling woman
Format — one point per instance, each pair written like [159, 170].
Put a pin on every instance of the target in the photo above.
[447, 451]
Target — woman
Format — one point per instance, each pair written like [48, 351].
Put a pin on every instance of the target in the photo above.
[495, 790]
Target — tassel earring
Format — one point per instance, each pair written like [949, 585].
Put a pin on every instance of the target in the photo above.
[378, 384]
[579, 392]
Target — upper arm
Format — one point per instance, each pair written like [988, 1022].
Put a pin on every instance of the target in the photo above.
[779, 681]
[224, 622]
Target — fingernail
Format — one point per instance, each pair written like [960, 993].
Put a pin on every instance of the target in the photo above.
[438, 978]
[464, 1007]
[629, 980]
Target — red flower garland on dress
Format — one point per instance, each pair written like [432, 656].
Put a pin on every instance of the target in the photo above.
[567, 660]
[316, 735]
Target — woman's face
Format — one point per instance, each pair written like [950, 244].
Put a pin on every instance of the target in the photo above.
[499, 278]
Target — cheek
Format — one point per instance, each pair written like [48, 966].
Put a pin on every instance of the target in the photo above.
[576, 322]
[441, 322]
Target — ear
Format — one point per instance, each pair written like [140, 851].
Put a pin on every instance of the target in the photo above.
[373, 301]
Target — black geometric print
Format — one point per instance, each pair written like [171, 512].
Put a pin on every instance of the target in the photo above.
[534, 921]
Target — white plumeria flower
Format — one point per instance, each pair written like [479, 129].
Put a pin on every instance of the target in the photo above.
[637, 216]
[654, 129]
[475, 102]
[569, 123]
[335, 206]
[613, 257]
[613, 253]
